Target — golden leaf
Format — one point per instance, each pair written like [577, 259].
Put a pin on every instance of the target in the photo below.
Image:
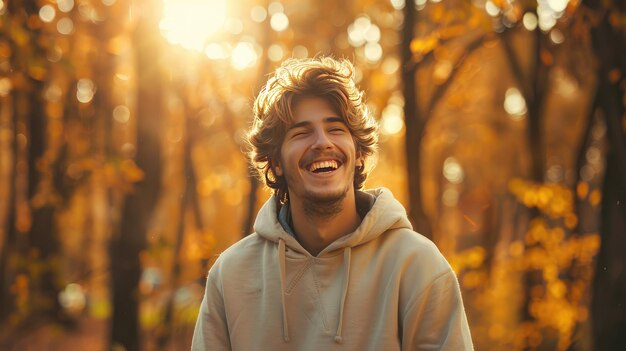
[595, 197]
[424, 45]
[131, 172]
[582, 189]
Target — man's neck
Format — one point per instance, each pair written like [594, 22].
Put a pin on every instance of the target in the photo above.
[315, 232]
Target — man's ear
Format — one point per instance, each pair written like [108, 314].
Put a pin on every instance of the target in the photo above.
[359, 162]
[276, 168]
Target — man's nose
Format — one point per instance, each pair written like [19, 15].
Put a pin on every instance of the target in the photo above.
[322, 140]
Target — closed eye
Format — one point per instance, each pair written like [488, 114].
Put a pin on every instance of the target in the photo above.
[299, 133]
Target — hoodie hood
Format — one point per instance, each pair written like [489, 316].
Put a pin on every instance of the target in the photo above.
[386, 213]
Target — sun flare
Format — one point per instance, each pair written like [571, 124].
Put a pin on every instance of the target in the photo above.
[191, 23]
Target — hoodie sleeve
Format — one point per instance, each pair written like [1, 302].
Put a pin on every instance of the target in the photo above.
[434, 319]
[211, 332]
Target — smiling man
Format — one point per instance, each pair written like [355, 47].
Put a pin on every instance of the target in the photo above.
[330, 266]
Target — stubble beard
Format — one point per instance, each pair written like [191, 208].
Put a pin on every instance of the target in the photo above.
[318, 207]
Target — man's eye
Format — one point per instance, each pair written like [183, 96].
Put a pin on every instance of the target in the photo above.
[335, 130]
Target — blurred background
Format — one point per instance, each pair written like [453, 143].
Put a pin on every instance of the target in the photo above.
[503, 132]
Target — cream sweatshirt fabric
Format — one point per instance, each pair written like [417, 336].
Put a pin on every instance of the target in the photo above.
[382, 287]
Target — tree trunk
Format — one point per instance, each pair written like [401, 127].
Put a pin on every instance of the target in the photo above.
[248, 222]
[139, 204]
[36, 241]
[189, 198]
[414, 124]
[608, 307]
[6, 300]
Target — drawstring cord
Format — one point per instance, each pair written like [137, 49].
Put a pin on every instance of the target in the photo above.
[346, 264]
[281, 265]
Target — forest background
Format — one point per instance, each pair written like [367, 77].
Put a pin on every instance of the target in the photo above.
[503, 132]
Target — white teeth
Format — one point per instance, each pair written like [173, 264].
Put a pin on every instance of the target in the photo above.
[323, 164]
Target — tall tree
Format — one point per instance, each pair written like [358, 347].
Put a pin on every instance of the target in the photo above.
[33, 238]
[127, 244]
[250, 213]
[415, 124]
[609, 287]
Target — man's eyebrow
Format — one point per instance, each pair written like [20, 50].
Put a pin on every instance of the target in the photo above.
[299, 125]
[334, 119]
[307, 123]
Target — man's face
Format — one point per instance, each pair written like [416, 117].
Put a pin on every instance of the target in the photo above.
[317, 157]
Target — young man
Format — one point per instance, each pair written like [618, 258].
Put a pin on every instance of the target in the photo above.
[329, 267]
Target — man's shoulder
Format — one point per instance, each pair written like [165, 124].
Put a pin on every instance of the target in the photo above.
[410, 240]
[243, 252]
[242, 248]
[406, 245]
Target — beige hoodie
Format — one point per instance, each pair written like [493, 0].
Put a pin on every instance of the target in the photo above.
[382, 287]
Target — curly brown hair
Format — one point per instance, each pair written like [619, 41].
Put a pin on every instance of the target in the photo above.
[325, 77]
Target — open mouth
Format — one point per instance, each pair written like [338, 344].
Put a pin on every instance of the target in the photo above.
[325, 166]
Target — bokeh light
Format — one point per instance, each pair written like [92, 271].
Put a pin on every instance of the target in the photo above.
[65, 5]
[514, 103]
[397, 4]
[65, 26]
[73, 298]
[492, 9]
[558, 5]
[452, 170]
[275, 52]
[121, 114]
[390, 65]
[530, 21]
[53, 93]
[557, 36]
[258, 14]
[279, 22]
[357, 30]
[85, 90]
[190, 23]
[243, 56]
[275, 7]
[391, 119]
[47, 13]
[373, 52]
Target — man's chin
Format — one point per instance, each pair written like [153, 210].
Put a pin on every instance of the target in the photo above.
[324, 203]
[325, 196]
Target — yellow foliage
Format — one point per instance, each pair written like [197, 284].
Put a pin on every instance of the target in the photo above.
[423, 46]
[131, 172]
[561, 260]
[571, 220]
[595, 197]
[582, 189]
[554, 200]
[100, 309]
[470, 258]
